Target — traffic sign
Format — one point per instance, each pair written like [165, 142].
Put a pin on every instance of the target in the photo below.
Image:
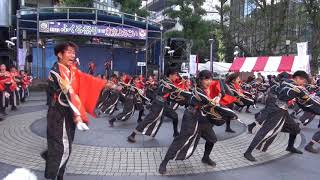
[141, 63]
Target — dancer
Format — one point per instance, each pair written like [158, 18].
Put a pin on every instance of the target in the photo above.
[133, 100]
[198, 120]
[6, 80]
[151, 87]
[74, 94]
[107, 68]
[233, 82]
[92, 67]
[152, 122]
[219, 88]
[110, 98]
[13, 89]
[24, 85]
[276, 118]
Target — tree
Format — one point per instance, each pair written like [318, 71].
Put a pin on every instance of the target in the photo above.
[189, 14]
[131, 7]
[223, 34]
[313, 11]
[262, 27]
[77, 3]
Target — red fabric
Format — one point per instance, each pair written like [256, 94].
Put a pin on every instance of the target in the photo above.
[139, 85]
[291, 102]
[188, 84]
[237, 64]
[2, 86]
[166, 95]
[286, 63]
[238, 88]
[260, 64]
[85, 90]
[89, 90]
[13, 85]
[25, 81]
[115, 80]
[227, 99]
[141, 78]
[215, 90]
[6, 78]
[126, 79]
[179, 84]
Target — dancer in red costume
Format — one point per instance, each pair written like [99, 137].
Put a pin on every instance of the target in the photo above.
[74, 94]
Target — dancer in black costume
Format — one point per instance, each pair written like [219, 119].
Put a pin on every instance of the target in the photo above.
[152, 122]
[276, 118]
[196, 123]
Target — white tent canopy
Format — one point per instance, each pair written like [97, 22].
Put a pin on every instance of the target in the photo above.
[218, 67]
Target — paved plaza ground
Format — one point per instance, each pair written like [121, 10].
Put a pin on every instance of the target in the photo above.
[104, 153]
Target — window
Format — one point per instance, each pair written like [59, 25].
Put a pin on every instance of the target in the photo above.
[249, 7]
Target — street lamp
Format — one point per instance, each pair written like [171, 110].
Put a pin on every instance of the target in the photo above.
[170, 52]
[13, 38]
[10, 43]
[161, 70]
[211, 54]
[136, 53]
[287, 46]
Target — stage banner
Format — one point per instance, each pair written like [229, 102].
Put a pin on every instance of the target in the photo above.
[92, 30]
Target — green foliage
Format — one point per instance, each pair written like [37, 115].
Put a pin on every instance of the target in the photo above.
[77, 3]
[225, 45]
[175, 34]
[132, 7]
[313, 13]
[195, 28]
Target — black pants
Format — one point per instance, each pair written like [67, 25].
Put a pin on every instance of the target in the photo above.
[194, 126]
[227, 120]
[60, 135]
[139, 105]
[108, 102]
[307, 117]
[128, 109]
[316, 137]
[277, 120]
[4, 101]
[22, 94]
[150, 94]
[152, 122]
[14, 98]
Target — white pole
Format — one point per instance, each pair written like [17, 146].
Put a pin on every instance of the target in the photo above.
[211, 54]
